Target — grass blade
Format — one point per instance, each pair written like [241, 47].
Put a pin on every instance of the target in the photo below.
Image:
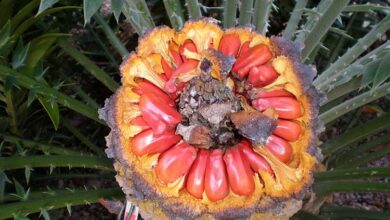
[339, 212]
[89, 65]
[24, 13]
[229, 13]
[40, 146]
[175, 13]
[295, 17]
[193, 9]
[15, 162]
[52, 109]
[328, 187]
[72, 197]
[322, 26]
[246, 12]
[29, 22]
[111, 36]
[355, 134]
[355, 102]
[44, 90]
[261, 14]
[359, 48]
[341, 174]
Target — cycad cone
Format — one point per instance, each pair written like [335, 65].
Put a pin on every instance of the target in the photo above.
[276, 196]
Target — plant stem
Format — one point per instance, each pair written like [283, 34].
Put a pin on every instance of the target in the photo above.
[355, 102]
[229, 13]
[352, 53]
[175, 13]
[193, 9]
[355, 134]
[76, 197]
[368, 172]
[41, 146]
[341, 40]
[44, 90]
[261, 14]
[84, 139]
[138, 14]
[311, 21]
[15, 162]
[321, 28]
[246, 12]
[111, 35]
[295, 17]
[89, 65]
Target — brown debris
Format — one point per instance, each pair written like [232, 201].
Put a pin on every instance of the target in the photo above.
[255, 126]
[195, 135]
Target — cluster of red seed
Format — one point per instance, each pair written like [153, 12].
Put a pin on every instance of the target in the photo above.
[214, 171]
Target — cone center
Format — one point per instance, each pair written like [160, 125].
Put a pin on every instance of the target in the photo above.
[206, 105]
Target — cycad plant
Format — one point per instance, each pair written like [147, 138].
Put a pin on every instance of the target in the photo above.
[48, 160]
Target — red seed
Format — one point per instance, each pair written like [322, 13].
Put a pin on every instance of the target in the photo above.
[166, 68]
[176, 57]
[286, 107]
[244, 48]
[216, 183]
[189, 45]
[230, 44]
[147, 87]
[239, 173]
[255, 56]
[140, 122]
[147, 143]
[175, 162]
[195, 180]
[256, 161]
[170, 85]
[262, 75]
[273, 93]
[157, 114]
[288, 130]
[279, 148]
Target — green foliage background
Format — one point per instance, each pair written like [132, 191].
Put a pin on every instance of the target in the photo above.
[59, 60]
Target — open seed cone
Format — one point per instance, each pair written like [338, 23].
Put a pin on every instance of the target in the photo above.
[214, 124]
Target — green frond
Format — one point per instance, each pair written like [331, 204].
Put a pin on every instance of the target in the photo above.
[294, 20]
[74, 197]
[229, 13]
[355, 134]
[175, 13]
[322, 26]
[246, 12]
[15, 162]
